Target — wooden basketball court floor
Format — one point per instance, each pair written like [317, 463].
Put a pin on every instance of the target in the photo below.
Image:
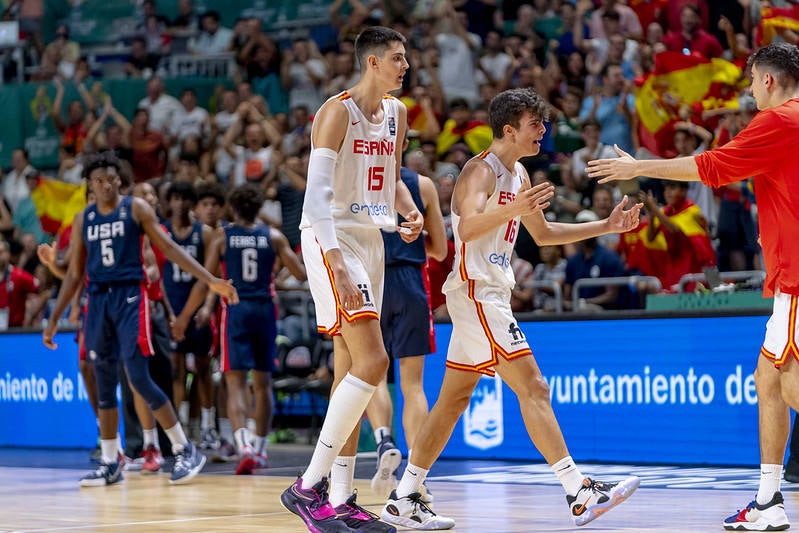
[480, 496]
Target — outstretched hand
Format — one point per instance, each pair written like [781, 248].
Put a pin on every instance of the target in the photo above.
[620, 220]
[617, 169]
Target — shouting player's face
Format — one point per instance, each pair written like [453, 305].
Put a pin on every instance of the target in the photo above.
[529, 134]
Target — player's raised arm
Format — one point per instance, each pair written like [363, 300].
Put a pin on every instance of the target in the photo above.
[145, 216]
[73, 279]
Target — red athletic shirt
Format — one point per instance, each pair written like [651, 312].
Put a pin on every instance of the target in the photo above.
[15, 285]
[766, 149]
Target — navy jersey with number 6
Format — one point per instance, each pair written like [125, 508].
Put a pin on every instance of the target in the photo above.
[249, 260]
[178, 283]
[113, 244]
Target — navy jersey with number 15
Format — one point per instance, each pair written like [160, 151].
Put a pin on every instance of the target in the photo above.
[249, 260]
[177, 282]
[113, 244]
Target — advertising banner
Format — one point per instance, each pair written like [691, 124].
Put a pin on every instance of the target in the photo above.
[678, 390]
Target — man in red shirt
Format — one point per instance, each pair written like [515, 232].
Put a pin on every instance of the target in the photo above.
[691, 38]
[15, 286]
[766, 150]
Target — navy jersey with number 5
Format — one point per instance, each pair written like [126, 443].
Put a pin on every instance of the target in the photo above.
[178, 283]
[249, 260]
[113, 244]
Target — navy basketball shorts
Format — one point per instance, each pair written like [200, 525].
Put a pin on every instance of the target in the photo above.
[406, 319]
[248, 332]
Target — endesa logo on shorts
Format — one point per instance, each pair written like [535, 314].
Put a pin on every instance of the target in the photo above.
[369, 209]
[501, 260]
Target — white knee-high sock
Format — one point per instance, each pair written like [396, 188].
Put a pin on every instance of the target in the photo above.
[342, 476]
[345, 409]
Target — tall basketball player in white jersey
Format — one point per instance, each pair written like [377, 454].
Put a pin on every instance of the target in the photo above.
[354, 190]
[492, 196]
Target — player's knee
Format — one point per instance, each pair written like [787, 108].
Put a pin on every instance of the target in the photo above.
[535, 390]
[140, 380]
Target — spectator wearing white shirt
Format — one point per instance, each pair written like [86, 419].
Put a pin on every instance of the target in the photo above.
[224, 119]
[14, 187]
[160, 106]
[303, 73]
[189, 120]
[494, 63]
[255, 161]
[457, 50]
[213, 37]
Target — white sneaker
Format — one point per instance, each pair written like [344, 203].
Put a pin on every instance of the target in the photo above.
[596, 498]
[411, 512]
[755, 517]
[388, 460]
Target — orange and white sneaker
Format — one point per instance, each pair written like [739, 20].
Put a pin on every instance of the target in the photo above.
[595, 498]
[152, 460]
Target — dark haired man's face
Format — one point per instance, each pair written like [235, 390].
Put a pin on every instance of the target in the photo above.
[208, 211]
[392, 65]
[210, 25]
[180, 207]
[460, 115]
[105, 183]
[674, 194]
[689, 20]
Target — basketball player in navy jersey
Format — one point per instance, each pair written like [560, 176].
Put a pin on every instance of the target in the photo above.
[108, 249]
[247, 251]
[406, 322]
[191, 235]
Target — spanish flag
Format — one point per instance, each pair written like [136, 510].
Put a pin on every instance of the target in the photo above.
[773, 20]
[689, 250]
[679, 80]
[476, 134]
[57, 203]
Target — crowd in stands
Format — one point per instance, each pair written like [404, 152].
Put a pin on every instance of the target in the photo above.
[584, 56]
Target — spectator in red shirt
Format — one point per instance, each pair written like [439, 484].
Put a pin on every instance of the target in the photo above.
[148, 147]
[766, 150]
[15, 286]
[691, 38]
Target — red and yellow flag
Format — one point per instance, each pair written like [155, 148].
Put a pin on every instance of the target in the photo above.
[681, 80]
[477, 136]
[773, 20]
[57, 203]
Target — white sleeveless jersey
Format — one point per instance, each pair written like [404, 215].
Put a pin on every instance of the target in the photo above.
[364, 179]
[487, 259]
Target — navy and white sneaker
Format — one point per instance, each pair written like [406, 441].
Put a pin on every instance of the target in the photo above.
[209, 439]
[188, 464]
[756, 517]
[105, 474]
[596, 498]
[360, 519]
[388, 460]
